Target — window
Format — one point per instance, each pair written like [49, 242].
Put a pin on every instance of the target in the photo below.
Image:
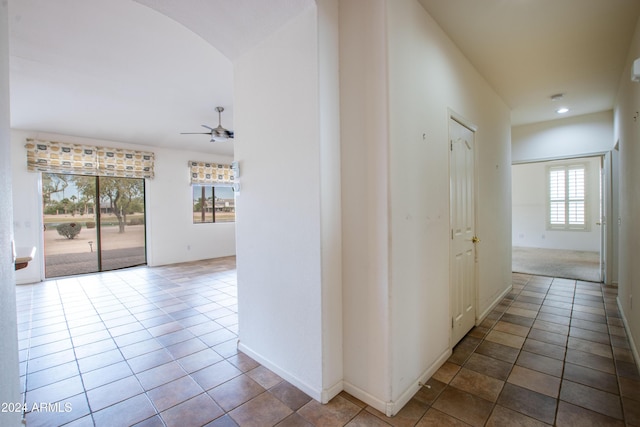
[213, 204]
[567, 204]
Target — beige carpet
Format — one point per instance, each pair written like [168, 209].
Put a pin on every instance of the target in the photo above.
[578, 265]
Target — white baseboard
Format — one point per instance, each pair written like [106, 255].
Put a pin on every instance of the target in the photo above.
[632, 344]
[367, 398]
[493, 305]
[331, 392]
[393, 407]
[322, 396]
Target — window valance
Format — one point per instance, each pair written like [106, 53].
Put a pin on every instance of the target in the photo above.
[211, 173]
[62, 157]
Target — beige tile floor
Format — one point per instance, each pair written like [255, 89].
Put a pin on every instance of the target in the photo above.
[157, 347]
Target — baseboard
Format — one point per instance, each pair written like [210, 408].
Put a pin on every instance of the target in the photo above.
[331, 392]
[367, 398]
[493, 305]
[393, 407]
[313, 392]
[632, 344]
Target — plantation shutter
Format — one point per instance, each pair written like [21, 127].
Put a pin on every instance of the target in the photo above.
[575, 200]
[567, 202]
[557, 187]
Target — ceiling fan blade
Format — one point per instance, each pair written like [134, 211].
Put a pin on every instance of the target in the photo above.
[208, 127]
[195, 133]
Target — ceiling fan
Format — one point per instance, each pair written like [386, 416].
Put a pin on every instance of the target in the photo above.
[218, 133]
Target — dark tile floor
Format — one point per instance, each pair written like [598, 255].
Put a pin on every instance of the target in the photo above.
[157, 347]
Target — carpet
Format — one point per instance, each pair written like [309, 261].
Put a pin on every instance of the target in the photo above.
[579, 265]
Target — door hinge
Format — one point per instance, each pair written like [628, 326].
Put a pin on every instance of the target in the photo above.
[452, 234]
[451, 145]
[452, 322]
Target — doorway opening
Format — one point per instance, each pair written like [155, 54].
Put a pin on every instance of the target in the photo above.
[92, 223]
[559, 216]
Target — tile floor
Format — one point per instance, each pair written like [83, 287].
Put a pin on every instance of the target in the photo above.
[157, 347]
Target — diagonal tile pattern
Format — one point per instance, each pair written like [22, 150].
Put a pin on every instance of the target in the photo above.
[157, 347]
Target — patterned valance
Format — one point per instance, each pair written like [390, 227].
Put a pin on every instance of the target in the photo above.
[62, 157]
[211, 173]
[125, 163]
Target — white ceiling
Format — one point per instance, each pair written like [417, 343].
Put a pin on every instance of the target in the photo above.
[529, 50]
[143, 71]
[121, 70]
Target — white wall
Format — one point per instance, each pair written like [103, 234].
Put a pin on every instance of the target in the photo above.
[530, 208]
[400, 77]
[170, 229]
[330, 197]
[627, 132]
[9, 369]
[284, 294]
[429, 76]
[578, 136]
[365, 200]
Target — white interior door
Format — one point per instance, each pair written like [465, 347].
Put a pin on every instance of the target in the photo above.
[463, 237]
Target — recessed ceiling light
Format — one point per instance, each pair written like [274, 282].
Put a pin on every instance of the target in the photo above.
[562, 110]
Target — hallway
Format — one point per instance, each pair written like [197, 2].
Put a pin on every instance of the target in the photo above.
[157, 347]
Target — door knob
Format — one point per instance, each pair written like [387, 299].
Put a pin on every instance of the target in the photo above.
[475, 239]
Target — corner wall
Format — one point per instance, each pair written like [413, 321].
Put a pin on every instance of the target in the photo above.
[365, 200]
[627, 132]
[330, 196]
[9, 367]
[288, 279]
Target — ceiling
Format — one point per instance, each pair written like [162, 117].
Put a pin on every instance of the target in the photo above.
[529, 50]
[123, 70]
[143, 71]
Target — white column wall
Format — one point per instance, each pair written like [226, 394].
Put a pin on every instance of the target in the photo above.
[9, 368]
[330, 197]
[279, 228]
[172, 237]
[627, 132]
[365, 200]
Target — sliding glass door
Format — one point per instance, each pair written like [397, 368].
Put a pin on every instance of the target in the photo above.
[122, 236]
[92, 223]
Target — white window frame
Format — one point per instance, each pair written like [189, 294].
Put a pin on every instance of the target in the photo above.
[567, 198]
